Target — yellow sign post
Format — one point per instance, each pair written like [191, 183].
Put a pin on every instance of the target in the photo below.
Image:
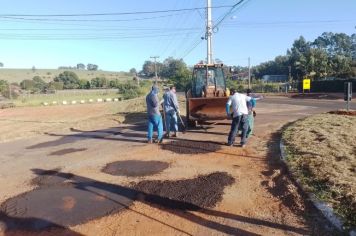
[306, 84]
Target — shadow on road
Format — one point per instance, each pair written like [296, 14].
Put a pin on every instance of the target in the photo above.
[181, 209]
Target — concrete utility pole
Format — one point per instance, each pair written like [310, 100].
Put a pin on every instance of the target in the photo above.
[155, 58]
[249, 73]
[209, 33]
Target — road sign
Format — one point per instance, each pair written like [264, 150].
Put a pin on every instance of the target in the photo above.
[306, 84]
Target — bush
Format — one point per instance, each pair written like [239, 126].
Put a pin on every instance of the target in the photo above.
[131, 90]
[69, 79]
[99, 82]
[114, 83]
[27, 84]
[13, 95]
[131, 93]
[3, 85]
[55, 85]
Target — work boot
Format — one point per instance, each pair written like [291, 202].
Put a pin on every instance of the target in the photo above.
[175, 135]
[166, 135]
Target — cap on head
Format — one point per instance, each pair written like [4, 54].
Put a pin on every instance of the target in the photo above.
[248, 91]
[155, 89]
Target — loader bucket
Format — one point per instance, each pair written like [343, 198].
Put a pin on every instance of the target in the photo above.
[202, 109]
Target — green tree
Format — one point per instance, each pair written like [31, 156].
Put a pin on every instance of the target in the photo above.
[80, 66]
[148, 68]
[70, 80]
[133, 71]
[92, 67]
[83, 83]
[176, 71]
[99, 82]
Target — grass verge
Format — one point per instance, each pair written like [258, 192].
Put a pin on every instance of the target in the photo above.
[321, 153]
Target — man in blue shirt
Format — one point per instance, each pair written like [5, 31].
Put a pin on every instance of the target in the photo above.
[171, 109]
[251, 113]
[154, 116]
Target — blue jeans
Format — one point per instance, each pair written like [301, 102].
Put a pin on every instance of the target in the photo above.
[250, 121]
[171, 121]
[155, 122]
[238, 121]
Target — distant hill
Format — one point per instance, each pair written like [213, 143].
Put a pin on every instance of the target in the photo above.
[17, 75]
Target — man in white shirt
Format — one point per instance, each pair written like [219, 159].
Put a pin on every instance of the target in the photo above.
[240, 114]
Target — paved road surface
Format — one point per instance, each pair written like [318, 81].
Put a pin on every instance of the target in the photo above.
[263, 200]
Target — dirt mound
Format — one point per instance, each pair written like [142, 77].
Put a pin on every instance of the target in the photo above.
[190, 147]
[343, 112]
[203, 191]
[135, 168]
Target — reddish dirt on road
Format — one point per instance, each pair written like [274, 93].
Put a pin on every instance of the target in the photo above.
[262, 200]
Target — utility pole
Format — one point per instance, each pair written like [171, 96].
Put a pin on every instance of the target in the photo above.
[155, 58]
[209, 33]
[249, 73]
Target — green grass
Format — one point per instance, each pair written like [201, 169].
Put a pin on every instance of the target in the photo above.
[65, 95]
[17, 75]
[321, 155]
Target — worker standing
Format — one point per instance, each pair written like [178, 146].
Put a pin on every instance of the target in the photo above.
[251, 112]
[239, 117]
[171, 109]
[154, 116]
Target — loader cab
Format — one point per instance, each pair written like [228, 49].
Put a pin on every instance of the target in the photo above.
[208, 80]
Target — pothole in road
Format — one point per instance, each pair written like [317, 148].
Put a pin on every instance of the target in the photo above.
[64, 204]
[50, 177]
[188, 194]
[190, 147]
[78, 199]
[134, 168]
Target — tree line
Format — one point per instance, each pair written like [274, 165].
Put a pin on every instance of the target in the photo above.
[80, 66]
[329, 55]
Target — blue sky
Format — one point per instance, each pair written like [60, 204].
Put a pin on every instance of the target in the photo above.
[259, 29]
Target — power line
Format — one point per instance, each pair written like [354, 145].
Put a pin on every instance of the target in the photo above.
[228, 13]
[87, 20]
[110, 14]
[100, 29]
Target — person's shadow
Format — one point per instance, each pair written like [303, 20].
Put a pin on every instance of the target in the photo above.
[181, 209]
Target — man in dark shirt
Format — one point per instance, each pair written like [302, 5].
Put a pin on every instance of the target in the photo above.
[154, 116]
[171, 109]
